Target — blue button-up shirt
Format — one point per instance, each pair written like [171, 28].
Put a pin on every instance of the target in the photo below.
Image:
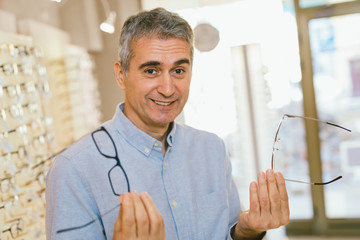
[191, 185]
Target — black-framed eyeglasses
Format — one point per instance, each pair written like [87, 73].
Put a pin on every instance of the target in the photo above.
[277, 139]
[106, 147]
[102, 140]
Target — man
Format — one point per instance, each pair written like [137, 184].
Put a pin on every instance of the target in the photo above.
[173, 181]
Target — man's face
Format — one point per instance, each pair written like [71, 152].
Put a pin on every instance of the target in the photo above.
[157, 83]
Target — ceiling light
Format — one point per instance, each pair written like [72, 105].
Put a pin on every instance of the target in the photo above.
[206, 37]
[108, 25]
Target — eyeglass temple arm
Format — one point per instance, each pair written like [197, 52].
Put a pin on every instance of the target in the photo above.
[55, 154]
[316, 183]
[330, 123]
[87, 224]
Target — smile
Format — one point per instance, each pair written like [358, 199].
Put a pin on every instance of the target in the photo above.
[162, 103]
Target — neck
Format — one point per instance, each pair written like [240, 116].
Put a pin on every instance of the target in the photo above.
[161, 135]
[159, 132]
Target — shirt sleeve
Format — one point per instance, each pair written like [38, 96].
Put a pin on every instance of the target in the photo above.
[233, 197]
[262, 236]
[234, 202]
[231, 229]
[69, 204]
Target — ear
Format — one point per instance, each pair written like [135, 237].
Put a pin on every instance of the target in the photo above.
[119, 75]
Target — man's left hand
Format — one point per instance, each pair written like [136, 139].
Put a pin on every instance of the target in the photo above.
[269, 207]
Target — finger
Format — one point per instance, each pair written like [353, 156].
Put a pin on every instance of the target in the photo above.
[141, 217]
[117, 225]
[254, 200]
[157, 229]
[274, 195]
[263, 195]
[284, 199]
[128, 224]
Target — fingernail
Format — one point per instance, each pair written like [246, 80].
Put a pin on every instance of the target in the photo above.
[144, 194]
[126, 197]
[270, 172]
[262, 175]
[279, 175]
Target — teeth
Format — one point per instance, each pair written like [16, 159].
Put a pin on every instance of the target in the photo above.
[162, 103]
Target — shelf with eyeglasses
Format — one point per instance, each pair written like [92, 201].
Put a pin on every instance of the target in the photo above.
[25, 138]
[35, 123]
[75, 93]
[83, 88]
[62, 120]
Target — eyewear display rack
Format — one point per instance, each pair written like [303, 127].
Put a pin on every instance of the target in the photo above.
[75, 95]
[25, 142]
[45, 105]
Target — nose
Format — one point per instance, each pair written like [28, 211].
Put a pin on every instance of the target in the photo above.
[166, 85]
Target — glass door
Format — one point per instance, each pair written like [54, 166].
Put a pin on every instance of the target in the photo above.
[329, 40]
[335, 51]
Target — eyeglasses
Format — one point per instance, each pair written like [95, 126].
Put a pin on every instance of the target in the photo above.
[103, 142]
[13, 50]
[7, 184]
[15, 228]
[11, 184]
[14, 93]
[21, 132]
[21, 152]
[9, 69]
[8, 165]
[277, 139]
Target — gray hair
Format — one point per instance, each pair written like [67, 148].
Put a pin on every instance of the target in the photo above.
[157, 22]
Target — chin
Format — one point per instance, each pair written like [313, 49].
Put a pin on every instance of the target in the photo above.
[164, 121]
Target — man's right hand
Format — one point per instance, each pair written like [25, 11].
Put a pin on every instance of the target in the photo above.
[138, 218]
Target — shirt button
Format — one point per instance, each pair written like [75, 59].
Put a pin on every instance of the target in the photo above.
[174, 203]
[147, 150]
[156, 144]
[165, 164]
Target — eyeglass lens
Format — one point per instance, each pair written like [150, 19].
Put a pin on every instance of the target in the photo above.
[104, 143]
[299, 146]
[117, 176]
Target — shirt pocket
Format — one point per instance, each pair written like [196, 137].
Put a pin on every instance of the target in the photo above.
[213, 215]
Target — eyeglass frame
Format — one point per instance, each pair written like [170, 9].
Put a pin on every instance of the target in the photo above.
[15, 50]
[116, 157]
[19, 227]
[276, 139]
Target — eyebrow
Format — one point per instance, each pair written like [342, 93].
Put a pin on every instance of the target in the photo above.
[150, 63]
[156, 63]
[181, 61]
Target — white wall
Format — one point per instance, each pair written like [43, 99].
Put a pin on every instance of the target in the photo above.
[110, 93]
[175, 5]
[39, 10]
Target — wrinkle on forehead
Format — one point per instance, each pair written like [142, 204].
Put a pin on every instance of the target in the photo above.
[149, 38]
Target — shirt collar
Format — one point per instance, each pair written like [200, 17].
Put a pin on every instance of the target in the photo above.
[134, 136]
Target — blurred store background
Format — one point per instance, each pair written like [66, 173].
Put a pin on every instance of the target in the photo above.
[255, 60]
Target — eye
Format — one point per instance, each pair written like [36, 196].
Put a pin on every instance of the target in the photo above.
[179, 71]
[150, 71]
